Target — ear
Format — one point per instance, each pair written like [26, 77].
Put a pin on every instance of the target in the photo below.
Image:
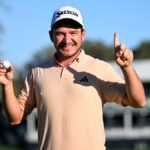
[83, 34]
[51, 35]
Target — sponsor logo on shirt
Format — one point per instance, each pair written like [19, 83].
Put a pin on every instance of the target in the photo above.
[84, 79]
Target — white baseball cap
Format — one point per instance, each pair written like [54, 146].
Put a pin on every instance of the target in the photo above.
[67, 12]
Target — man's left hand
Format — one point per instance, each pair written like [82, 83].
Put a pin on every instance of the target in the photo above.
[123, 56]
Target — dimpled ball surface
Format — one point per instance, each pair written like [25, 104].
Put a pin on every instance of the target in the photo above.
[6, 64]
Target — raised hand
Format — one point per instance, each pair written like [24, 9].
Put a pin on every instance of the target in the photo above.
[6, 75]
[123, 56]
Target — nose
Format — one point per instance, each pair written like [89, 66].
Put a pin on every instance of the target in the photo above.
[67, 38]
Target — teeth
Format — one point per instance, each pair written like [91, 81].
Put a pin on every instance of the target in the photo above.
[68, 46]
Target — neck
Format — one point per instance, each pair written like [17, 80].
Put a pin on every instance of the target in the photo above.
[66, 61]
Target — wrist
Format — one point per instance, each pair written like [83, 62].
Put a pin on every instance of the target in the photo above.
[8, 85]
[127, 68]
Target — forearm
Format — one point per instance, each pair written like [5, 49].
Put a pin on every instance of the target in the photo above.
[134, 88]
[11, 104]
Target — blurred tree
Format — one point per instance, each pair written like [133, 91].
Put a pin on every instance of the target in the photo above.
[98, 49]
[143, 51]
[40, 56]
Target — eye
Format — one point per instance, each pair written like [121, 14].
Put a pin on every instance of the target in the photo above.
[58, 33]
[74, 33]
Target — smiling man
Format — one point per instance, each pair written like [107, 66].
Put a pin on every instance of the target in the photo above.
[70, 89]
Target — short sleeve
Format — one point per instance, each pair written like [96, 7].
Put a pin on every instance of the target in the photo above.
[27, 97]
[113, 87]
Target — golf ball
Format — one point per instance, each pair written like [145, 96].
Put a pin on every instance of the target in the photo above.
[6, 64]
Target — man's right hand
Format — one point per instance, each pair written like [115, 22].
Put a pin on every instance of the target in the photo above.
[6, 75]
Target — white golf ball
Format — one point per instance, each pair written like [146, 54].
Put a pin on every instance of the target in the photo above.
[6, 64]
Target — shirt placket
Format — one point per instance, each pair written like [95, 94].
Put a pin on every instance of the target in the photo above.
[63, 73]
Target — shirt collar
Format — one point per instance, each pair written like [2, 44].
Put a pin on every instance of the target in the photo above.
[76, 60]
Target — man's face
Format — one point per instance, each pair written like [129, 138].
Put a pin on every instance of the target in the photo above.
[67, 40]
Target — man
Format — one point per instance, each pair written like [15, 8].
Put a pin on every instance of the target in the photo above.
[70, 89]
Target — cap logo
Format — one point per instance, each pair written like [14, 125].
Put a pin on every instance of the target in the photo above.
[67, 12]
[59, 13]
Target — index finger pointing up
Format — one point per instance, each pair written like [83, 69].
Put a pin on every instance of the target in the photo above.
[116, 40]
